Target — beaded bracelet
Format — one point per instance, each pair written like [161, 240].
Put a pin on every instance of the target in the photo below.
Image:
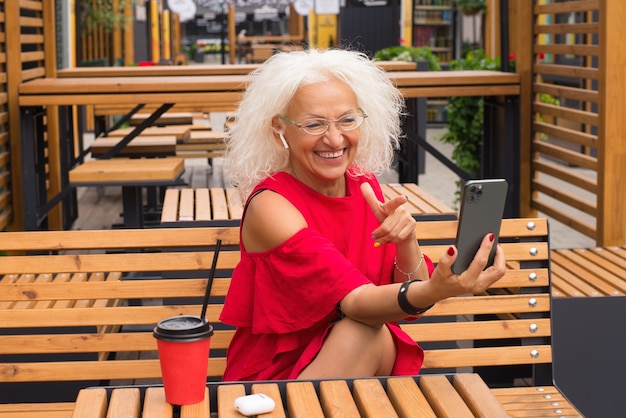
[408, 275]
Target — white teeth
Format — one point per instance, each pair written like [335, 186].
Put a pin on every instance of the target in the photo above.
[330, 154]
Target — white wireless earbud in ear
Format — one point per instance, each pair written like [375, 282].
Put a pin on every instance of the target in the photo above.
[283, 140]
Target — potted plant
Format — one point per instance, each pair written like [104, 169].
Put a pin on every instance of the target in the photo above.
[470, 7]
[406, 53]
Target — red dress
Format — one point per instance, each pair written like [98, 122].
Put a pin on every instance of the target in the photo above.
[283, 301]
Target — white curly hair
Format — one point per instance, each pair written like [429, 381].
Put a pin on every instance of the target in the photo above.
[252, 152]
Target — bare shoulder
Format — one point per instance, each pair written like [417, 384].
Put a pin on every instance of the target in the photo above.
[270, 220]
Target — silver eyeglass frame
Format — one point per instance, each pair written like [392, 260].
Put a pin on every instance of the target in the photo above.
[325, 122]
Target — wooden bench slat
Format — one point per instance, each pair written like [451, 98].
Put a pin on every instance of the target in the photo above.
[95, 403]
[534, 401]
[186, 205]
[219, 205]
[120, 238]
[371, 399]
[169, 211]
[226, 395]
[235, 205]
[203, 206]
[475, 393]
[336, 399]
[407, 398]
[273, 391]
[155, 405]
[302, 401]
[443, 398]
[124, 402]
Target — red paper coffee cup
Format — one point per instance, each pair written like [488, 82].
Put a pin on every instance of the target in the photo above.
[183, 342]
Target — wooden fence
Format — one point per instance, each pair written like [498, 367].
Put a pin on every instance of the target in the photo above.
[27, 31]
[572, 61]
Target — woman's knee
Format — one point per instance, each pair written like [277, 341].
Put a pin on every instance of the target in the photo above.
[364, 337]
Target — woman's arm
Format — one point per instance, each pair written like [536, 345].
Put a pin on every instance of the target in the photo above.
[270, 220]
[397, 225]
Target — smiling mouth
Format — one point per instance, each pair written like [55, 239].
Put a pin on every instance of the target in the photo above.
[330, 154]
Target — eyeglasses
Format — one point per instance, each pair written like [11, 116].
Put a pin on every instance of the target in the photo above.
[317, 126]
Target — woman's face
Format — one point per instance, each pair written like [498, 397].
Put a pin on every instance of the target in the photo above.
[320, 161]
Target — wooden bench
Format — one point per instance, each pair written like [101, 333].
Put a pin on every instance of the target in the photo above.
[181, 132]
[456, 395]
[218, 206]
[140, 146]
[589, 284]
[202, 143]
[509, 325]
[203, 206]
[581, 272]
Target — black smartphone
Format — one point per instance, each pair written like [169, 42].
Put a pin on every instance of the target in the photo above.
[482, 206]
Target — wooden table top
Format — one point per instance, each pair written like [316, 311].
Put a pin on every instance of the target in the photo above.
[123, 170]
[458, 395]
[229, 88]
[193, 70]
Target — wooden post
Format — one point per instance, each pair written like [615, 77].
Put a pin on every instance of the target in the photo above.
[55, 185]
[155, 40]
[167, 46]
[14, 71]
[129, 39]
[296, 23]
[232, 36]
[117, 35]
[611, 219]
[524, 61]
[493, 29]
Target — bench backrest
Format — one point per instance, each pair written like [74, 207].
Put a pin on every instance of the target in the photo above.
[96, 296]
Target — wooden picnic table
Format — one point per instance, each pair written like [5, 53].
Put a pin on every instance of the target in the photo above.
[225, 91]
[455, 395]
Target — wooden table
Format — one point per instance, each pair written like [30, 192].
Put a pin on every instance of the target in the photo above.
[225, 91]
[458, 396]
[132, 175]
[193, 70]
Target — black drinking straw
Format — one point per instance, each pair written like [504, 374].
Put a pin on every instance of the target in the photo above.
[211, 275]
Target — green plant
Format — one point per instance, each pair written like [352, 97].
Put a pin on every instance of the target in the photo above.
[105, 14]
[551, 100]
[465, 117]
[406, 53]
[470, 6]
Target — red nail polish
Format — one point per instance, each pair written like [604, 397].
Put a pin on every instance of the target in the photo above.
[451, 251]
[491, 237]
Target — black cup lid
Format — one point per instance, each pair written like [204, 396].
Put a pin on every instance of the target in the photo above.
[183, 327]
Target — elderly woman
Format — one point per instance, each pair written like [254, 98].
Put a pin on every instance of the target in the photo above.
[327, 266]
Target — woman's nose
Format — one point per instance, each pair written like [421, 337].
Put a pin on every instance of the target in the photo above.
[333, 136]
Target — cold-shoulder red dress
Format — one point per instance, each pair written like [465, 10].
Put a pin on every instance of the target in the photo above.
[284, 301]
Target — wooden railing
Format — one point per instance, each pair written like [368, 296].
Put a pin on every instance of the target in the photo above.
[573, 112]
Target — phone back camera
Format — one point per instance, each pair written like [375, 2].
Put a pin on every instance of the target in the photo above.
[475, 193]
